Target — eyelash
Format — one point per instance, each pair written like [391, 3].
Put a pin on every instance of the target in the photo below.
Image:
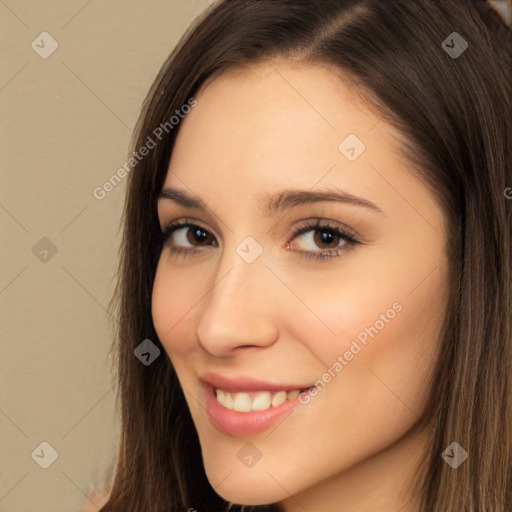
[349, 237]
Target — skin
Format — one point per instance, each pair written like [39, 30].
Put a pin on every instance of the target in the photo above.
[285, 318]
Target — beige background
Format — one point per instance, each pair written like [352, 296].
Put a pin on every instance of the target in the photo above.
[66, 124]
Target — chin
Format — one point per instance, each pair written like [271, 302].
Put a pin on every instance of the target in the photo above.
[243, 489]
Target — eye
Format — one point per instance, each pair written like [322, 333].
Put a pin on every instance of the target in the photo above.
[193, 235]
[316, 240]
[186, 237]
[322, 240]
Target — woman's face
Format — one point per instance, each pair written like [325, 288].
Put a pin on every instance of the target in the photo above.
[307, 259]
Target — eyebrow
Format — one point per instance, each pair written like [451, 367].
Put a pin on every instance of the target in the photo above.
[273, 203]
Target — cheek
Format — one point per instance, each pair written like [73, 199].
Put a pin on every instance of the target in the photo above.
[387, 330]
[388, 318]
[173, 300]
[376, 392]
[380, 301]
[388, 351]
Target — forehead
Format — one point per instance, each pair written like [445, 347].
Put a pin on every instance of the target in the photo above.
[279, 106]
[277, 125]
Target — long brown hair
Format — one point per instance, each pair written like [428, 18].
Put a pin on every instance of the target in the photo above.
[454, 113]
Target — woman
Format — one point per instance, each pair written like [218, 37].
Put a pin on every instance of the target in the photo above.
[316, 266]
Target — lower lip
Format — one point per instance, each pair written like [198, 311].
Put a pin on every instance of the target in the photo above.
[245, 423]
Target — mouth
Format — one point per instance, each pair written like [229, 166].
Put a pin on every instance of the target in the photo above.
[248, 401]
[246, 406]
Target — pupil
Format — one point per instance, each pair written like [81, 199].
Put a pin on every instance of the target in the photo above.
[196, 234]
[200, 234]
[327, 236]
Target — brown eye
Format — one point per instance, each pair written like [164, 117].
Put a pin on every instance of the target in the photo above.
[314, 239]
[186, 236]
[326, 238]
[197, 235]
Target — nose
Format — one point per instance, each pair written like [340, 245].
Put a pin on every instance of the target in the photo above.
[240, 310]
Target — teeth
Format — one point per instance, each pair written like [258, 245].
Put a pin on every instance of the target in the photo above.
[279, 398]
[242, 402]
[255, 401]
[221, 396]
[292, 394]
[225, 399]
[262, 402]
[229, 401]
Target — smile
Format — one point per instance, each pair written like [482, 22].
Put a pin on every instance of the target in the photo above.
[245, 406]
[254, 400]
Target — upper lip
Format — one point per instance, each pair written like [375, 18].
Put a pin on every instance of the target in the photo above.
[245, 383]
